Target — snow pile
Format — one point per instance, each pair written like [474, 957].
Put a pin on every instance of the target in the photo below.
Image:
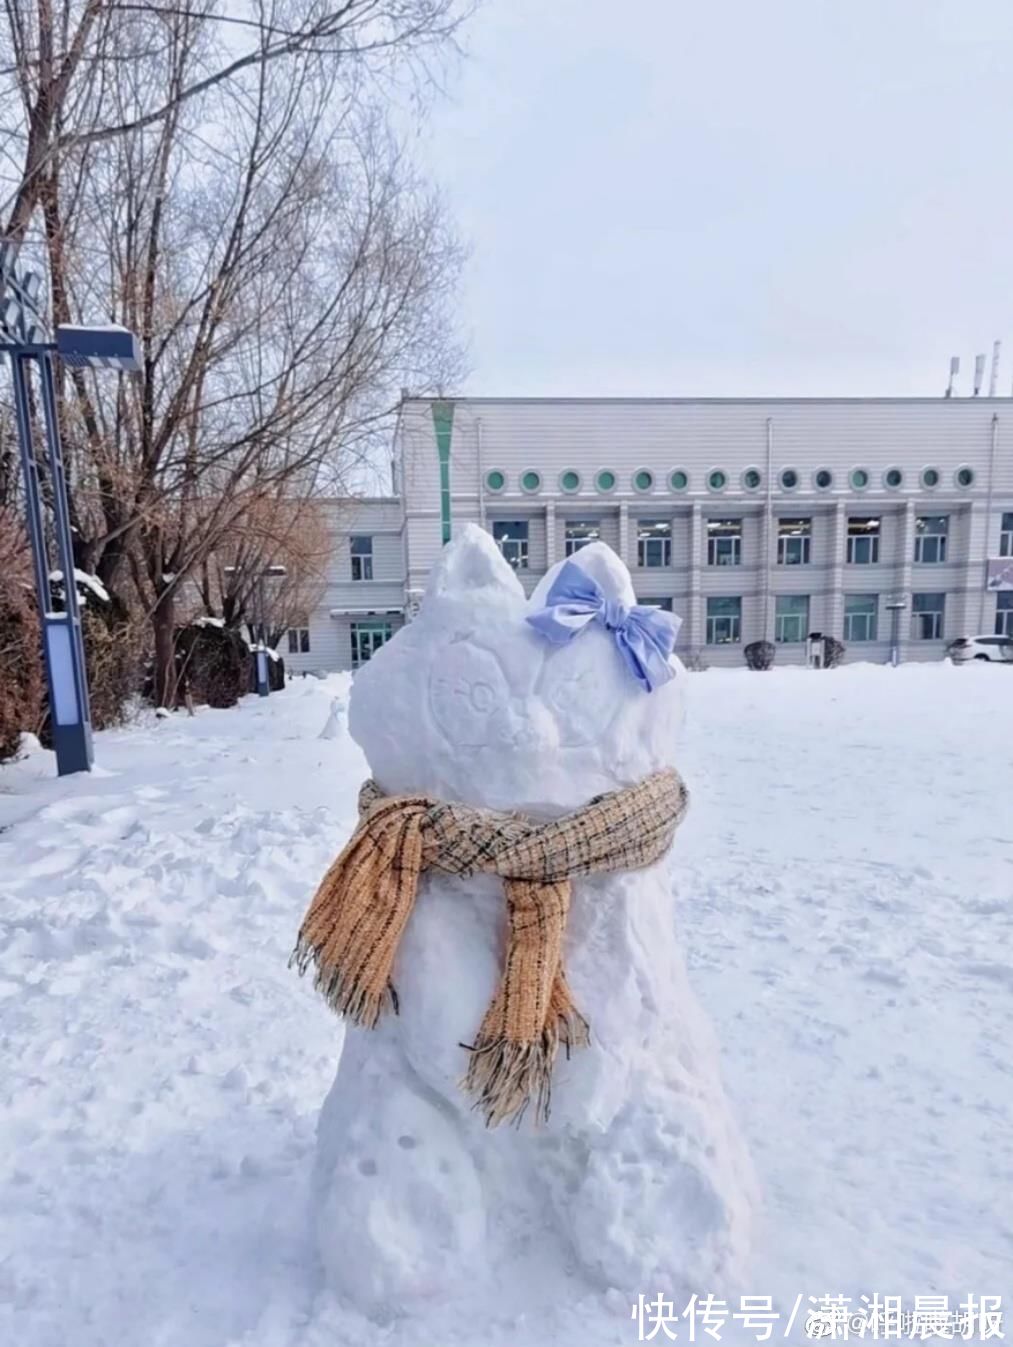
[639, 1177]
[843, 888]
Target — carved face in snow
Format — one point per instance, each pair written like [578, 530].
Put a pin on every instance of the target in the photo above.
[468, 702]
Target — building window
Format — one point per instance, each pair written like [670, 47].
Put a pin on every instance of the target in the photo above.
[298, 640]
[965, 476]
[930, 478]
[1006, 536]
[679, 480]
[860, 616]
[495, 480]
[654, 542]
[569, 481]
[930, 538]
[717, 480]
[362, 558]
[580, 532]
[863, 541]
[1004, 613]
[893, 478]
[752, 479]
[927, 616]
[791, 618]
[794, 540]
[367, 638]
[643, 480]
[789, 479]
[859, 479]
[511, 535]
[531, 481]
[606, 480]
[824, 479]
[724, 542]
[724, 621]
[665, 604]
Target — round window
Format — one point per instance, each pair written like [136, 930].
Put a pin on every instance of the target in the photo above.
[531, 481]
[930, 478]
[569, 480]
[893, 478]
[789, 479]
[495, 480]
[717, 480]
[965, 476]
[824, 479]
[679, 480]
[643, 480]
[605, 481]
[751, 479]
[859, 479]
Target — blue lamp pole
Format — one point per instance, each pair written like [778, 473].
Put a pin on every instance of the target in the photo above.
[23, 339]
[260, 656]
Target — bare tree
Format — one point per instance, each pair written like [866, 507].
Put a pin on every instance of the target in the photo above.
[284, 268]
[64, 51]
[292, 534]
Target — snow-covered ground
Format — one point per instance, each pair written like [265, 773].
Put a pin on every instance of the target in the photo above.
[845, 894]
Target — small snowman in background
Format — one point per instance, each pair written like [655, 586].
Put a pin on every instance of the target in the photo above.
[336, 721]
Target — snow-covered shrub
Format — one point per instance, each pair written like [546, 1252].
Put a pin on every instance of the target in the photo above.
[833, 652]
[115, 648]
[759, 655]
[212, 664]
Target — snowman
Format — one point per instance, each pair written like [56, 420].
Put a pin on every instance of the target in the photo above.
[638, 1182]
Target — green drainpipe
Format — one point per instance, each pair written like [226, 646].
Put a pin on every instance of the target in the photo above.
[443, 424]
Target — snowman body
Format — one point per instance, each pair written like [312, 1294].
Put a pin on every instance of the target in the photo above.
[639, 1181]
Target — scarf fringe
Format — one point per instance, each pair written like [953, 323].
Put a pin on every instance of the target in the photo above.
[505, 1076]
[345, 995]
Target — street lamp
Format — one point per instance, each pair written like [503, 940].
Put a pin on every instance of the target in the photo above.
[895, 606]
[23, 337]
[260, 650]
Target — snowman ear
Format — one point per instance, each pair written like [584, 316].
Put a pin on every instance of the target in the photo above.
[602, 564]
[471, 564]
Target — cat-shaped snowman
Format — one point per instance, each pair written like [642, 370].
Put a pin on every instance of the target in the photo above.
[639, 1181]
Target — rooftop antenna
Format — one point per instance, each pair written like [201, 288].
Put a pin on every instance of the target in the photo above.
[954, 371]
[993, 382]
[979, 373]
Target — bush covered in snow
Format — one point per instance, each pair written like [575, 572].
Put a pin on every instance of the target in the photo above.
[212, 664]
[759, 655]
[833, 652]
[115, 650]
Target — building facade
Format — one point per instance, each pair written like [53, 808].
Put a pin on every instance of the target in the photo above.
[886, 523]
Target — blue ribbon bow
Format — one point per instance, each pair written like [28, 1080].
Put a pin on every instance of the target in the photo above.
[645, 637]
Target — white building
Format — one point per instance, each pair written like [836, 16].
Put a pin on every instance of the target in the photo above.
[877, 521]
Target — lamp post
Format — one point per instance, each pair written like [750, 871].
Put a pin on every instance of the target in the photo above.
[895, 606]
[23, 338]
[260, 626]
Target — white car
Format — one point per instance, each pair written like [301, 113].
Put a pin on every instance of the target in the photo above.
[999, 649]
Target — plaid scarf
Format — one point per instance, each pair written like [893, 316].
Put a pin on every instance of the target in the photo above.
[354, 924]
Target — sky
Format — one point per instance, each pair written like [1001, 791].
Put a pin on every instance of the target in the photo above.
[734, 198]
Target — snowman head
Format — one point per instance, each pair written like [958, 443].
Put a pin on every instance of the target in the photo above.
[469, 702]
